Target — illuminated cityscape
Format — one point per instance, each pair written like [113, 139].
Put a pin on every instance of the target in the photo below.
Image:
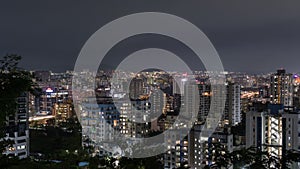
[253, 114]
[150, 85]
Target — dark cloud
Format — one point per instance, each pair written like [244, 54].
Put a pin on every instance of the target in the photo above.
[252, 36]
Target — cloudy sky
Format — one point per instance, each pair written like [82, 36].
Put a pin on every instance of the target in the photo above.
[250, 36]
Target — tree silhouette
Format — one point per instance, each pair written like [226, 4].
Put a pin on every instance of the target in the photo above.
[13, 82]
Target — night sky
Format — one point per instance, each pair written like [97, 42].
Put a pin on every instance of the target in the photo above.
[250, 36]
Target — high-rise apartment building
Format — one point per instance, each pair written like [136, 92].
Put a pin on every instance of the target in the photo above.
[177, 153]
[281, 88]
[178, 84]
[205, 98]
[232, 112]
[198, 98]
[136, 88]
[157, 103]
[202, 152]
[275, 130]
[99, 123]
[17, 129]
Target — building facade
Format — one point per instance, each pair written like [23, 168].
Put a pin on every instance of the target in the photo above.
[18, 129]
[281, 88]
[275, 130]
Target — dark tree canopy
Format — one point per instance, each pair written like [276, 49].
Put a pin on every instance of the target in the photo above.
[13, 82]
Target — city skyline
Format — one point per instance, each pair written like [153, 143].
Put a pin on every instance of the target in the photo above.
[175, 120]
[150, 84]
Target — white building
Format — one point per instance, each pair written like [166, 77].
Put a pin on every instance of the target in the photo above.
[100, 123]
[232, 112]
[274, 131]
[18, 129]
[201, 152]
